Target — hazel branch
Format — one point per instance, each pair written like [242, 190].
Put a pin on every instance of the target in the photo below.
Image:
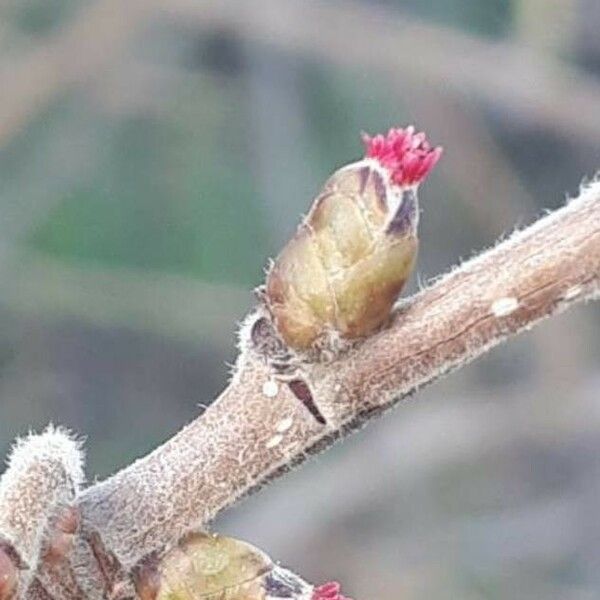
[262, 424]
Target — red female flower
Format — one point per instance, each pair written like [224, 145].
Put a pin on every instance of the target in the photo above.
[328, 591]
[406, 155]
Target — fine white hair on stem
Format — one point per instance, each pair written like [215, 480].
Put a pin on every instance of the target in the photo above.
[56, 444]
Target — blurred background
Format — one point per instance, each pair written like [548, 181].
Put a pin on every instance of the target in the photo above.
[155, 153]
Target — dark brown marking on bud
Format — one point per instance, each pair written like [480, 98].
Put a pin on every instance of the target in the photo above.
[257, 331]
[363, 176]
[261, 331]
[403, 222]
[265, 340]
[301, 390]
[283, 584]
[380, 191]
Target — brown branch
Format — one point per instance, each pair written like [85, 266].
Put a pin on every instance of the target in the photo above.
[44, 473]
[258, 428]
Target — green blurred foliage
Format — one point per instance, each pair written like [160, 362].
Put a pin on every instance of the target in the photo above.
[173, 190]
[40, 18]
[492, 18]
[170, 192]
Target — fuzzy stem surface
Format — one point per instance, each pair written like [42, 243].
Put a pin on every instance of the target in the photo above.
[259, 427]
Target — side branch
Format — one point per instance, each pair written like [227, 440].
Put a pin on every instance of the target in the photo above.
[260, 426]
[43, 475]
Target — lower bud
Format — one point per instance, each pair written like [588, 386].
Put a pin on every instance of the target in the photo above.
[210, 566]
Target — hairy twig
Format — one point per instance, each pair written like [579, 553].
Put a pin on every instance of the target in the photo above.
[43, 476]
[57, 543]
[264, 424]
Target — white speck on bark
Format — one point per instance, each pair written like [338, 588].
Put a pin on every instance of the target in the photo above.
[270, 388]
[573, 292]
[284, 425]
[274, 441]
[504, 306]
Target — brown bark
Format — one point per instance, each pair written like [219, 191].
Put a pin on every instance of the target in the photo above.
[260, 426]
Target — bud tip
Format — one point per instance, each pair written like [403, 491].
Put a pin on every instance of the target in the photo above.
[406, 155]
